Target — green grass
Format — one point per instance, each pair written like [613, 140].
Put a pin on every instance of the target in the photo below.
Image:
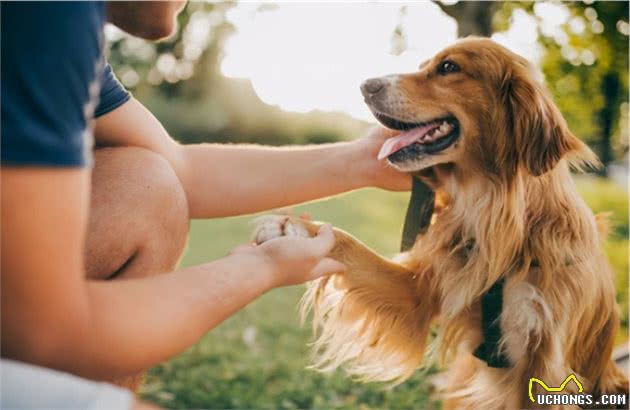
[258, 358]
[607, 196]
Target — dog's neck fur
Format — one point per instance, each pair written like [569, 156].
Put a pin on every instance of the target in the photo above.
[488, 229]
[505, 237]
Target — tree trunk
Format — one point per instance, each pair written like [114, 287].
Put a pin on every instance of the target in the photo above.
[610, 90]
[473, 17]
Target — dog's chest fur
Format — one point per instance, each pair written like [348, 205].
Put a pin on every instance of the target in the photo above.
[464, 276]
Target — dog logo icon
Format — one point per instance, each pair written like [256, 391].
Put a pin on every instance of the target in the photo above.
[554, 389]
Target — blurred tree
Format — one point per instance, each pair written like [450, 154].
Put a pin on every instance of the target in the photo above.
[586, 65]
[192, 52]
[473, 17]
[210, 107]
[585, 62]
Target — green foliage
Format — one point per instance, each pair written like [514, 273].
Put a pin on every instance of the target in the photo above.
[617, 251]
[607, 197]
[258, 358]
[586, 66]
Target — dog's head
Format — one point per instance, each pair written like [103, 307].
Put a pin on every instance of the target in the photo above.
[475, 105]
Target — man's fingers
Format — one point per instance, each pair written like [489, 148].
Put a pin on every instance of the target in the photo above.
[327, 266]
[382, 132]
[242, 248]
[323, 243]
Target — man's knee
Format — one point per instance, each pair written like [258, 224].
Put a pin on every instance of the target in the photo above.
[162, 198]
[159, 191]
[139, 200]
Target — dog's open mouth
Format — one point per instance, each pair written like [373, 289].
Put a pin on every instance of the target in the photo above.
[418, 138]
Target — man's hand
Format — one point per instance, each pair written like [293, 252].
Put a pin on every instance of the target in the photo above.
[292, 260]
[379, 173]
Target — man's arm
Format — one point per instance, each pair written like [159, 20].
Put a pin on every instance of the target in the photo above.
[224, 180]
[53, 317]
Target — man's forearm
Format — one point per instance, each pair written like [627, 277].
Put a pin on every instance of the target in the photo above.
[134, 324]
[224, 180]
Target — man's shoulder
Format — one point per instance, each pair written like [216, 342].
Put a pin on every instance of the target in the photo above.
[51, 54]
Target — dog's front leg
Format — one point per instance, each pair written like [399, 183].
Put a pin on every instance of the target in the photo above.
[374, 318]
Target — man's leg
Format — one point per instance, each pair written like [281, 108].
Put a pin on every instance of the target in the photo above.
[138, 218]
[138, 215]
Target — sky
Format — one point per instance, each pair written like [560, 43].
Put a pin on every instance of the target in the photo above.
[314, 56]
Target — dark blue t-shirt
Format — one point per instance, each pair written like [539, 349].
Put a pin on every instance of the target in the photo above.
[54, 81]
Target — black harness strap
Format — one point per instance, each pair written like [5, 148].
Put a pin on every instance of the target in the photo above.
[491, 306]
[417, 221]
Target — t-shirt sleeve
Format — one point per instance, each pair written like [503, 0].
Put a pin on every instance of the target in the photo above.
[51, 61]
[113, 94]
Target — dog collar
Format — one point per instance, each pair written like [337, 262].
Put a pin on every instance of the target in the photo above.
[417, 221]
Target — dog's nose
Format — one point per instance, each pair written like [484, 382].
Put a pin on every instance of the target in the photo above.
[372, 86]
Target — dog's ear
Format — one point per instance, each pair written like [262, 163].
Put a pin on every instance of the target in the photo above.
[540, 135]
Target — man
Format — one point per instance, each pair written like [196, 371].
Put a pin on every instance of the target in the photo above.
[88, 255]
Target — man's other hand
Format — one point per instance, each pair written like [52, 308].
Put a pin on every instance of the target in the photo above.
[292, 260]
[377, 172]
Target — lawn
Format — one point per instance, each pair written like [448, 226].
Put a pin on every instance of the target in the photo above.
[258, 358]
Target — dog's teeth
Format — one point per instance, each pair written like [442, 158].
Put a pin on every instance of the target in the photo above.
[440, 130]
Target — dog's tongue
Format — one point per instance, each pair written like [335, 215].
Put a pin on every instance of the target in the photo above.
[403, 140]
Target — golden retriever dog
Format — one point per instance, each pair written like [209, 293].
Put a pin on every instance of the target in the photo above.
[483, 133]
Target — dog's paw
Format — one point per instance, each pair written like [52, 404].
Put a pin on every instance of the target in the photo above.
[274, 226]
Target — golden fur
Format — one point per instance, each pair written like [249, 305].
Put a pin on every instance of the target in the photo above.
[508, 208]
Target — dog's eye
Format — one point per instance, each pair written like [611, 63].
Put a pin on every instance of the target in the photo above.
[447, 67]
